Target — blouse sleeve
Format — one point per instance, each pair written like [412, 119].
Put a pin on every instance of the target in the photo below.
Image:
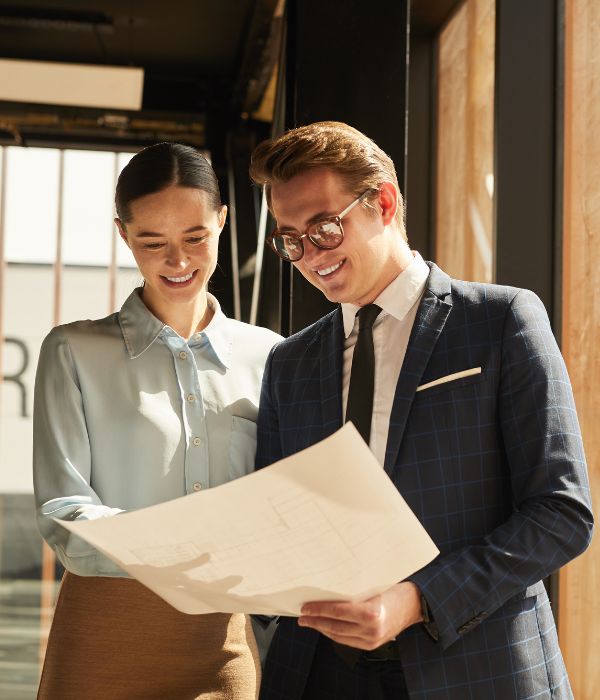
[62, 460]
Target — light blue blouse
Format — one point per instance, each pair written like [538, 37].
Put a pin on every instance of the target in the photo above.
[128, 414]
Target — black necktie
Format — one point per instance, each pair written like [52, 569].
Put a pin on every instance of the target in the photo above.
[359, 410]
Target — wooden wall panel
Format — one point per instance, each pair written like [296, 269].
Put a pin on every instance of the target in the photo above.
[450, 223]
[579, 600]
[465, 140]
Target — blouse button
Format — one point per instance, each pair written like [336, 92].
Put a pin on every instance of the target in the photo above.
[197, 441]
[183, 355]
[197, 486]
[191, 398]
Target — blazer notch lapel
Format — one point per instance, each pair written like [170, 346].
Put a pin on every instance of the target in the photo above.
[427, 328]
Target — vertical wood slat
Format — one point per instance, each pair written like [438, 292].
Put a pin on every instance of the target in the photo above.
[465, 156]
[47, 588]
[451, 171]
[480, 135]
[579, 604]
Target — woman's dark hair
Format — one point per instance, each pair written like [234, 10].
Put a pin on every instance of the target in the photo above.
[157, 167]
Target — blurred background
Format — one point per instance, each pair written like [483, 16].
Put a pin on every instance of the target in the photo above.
[489, 108]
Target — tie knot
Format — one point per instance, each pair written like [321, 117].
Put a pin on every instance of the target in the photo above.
[367, 315]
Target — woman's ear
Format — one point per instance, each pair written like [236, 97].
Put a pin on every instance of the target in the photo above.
[122, 231]
[222, 216]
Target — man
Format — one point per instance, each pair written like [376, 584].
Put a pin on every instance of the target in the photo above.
[471, 414]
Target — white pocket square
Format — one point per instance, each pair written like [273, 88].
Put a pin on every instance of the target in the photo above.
[450, 378]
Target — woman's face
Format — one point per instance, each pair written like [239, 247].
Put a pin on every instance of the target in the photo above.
[173, 235]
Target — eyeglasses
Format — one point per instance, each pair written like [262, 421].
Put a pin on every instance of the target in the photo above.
[326, 234]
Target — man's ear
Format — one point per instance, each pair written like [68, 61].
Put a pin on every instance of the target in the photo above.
[388, 201]
[122, 231]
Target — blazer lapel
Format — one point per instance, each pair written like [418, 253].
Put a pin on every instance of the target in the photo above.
[429, 322]
[331, 359]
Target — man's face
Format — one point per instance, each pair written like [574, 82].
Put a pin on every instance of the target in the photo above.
[372, 253]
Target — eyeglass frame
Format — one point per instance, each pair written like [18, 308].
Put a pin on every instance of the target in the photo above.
[337, 219]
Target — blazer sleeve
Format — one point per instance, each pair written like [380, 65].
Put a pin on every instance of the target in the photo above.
[551, 520]
[62, 460]
[268, 439]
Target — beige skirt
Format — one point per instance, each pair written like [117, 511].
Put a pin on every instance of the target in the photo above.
[113, 639]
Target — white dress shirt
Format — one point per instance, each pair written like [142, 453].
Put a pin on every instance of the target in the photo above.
[399, 302]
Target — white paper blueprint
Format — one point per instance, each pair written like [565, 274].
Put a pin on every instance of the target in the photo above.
[324, 524]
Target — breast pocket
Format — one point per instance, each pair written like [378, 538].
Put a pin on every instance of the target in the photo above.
[242, 447]
[426, 390]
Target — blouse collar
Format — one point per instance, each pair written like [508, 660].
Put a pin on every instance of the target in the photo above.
[140, 328]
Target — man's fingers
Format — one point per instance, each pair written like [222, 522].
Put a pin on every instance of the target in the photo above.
[365, 612]
[359, 642]
[346, 633]
[328, 625]
[350, 633]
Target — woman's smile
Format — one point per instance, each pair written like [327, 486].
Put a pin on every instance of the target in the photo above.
[178, 282]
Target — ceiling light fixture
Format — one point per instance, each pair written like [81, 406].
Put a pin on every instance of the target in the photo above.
[71, 84]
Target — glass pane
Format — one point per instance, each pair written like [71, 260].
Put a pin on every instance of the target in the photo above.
[127, 281]
[28, 300]
[84, 293]
[31, 204]
[124, 256]
[28, 571]
[88, 192]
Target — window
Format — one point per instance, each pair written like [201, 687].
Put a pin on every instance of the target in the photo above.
[63, 260]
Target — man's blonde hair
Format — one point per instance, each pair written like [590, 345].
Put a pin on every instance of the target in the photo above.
[356, 158]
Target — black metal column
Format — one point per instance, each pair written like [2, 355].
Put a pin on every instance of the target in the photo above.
[528, 182]
[527, 157]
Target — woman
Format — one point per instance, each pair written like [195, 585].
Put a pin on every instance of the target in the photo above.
[151, 403]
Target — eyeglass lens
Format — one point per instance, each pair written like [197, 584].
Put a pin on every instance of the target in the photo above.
[324, 234]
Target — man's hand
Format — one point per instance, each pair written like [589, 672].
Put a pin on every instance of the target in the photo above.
[367, 624]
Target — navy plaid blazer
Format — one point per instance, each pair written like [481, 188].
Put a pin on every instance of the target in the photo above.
[492, 465]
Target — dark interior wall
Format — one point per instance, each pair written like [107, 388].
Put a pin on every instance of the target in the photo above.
[344, 62]
[420, 175]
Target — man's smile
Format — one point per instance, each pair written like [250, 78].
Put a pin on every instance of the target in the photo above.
[325, 271]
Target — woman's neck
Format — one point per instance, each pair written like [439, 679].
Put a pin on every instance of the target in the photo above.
[185, 318]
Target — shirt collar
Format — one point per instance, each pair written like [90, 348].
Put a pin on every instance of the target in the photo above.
[140, 328]
[139, 325]
[217, 333]
[398, 298]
